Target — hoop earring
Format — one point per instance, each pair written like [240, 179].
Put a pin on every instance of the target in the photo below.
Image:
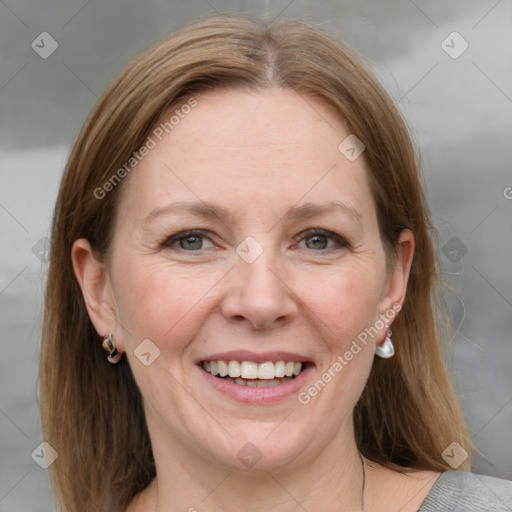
[386, 350]
[109, 345]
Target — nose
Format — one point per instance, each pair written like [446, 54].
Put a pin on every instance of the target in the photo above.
[259, 295]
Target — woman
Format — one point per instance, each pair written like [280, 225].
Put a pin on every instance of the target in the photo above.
[239, 225]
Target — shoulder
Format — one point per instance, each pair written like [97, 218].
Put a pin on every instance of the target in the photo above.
[458, 491]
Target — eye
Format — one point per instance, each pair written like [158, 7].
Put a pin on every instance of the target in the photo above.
[320, 240]
[192, 240]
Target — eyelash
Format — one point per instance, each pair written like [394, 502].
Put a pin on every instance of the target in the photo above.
[309, 233]
[182, 235]
[342, 243]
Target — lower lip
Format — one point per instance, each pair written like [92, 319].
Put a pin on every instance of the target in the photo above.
[264, 395]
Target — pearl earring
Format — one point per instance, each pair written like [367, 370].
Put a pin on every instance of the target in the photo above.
[386, 350]
[109, 345]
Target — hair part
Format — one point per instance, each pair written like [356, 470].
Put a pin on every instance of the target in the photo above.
[92, 412]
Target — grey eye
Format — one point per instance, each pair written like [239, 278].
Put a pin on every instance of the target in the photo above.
[317, 242]
[188, 241]
[191, 242]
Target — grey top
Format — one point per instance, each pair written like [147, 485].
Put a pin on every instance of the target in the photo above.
[457, 491]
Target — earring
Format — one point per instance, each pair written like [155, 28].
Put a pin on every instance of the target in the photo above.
[109, 345]
[386, 350]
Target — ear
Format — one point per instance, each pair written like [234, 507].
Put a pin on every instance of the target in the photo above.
[96, 289]
[398, 276]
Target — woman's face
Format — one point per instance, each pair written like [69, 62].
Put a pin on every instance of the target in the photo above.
[246, 236]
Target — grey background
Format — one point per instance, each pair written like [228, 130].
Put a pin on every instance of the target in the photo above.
[460, 113]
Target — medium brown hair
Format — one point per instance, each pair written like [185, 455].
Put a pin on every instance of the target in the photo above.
[92, 412]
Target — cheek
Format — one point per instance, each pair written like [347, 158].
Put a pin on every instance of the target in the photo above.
[345, 302]
[157, 302]
[341, 309]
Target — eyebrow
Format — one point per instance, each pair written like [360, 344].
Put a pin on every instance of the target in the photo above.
[309, 210]
[212, 211]
[198, 208]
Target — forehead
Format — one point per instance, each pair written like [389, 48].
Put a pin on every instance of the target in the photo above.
[260, 150]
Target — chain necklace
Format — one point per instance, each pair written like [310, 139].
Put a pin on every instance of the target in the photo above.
[364, 483]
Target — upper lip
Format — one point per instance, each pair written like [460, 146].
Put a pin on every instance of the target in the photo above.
[256, 357]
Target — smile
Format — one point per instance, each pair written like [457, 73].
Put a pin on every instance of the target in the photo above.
[252, 374]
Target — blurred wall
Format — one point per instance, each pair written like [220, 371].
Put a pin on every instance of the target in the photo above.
[447, 65]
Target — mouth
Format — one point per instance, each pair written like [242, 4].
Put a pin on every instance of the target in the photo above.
[254, 374]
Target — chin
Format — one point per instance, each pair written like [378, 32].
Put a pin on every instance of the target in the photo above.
[264, 447]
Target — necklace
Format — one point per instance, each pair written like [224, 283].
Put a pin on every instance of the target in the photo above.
[364, 483]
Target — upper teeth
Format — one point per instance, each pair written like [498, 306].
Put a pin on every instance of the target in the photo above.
[251, 370]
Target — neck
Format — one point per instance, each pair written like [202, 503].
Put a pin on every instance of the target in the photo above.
[190, 481]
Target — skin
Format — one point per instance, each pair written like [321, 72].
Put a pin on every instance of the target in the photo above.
[257, 154]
